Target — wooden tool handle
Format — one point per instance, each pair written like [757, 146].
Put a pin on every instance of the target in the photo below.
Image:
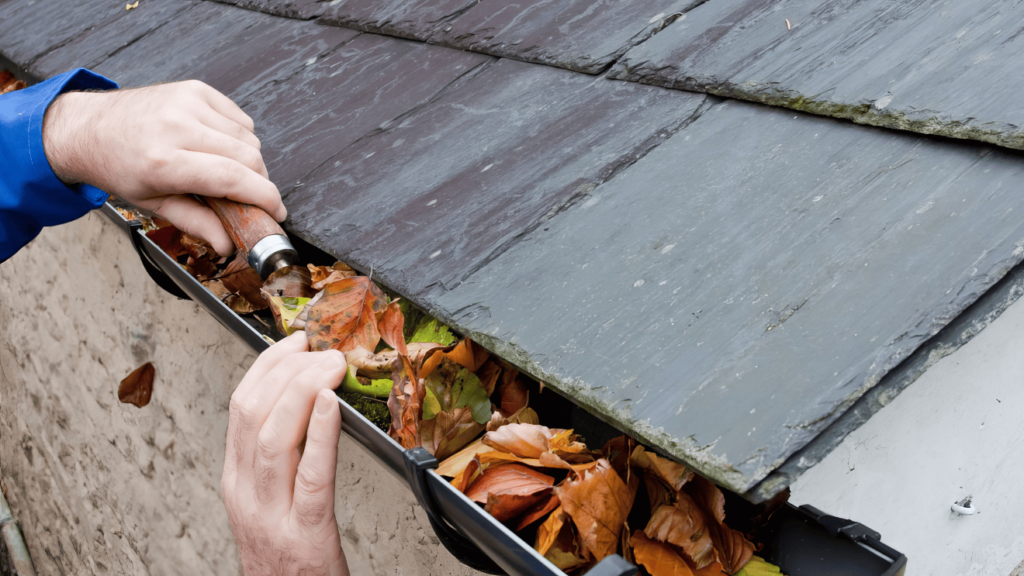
[246, 224]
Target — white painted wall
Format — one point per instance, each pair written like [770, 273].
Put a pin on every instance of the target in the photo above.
[958, 430]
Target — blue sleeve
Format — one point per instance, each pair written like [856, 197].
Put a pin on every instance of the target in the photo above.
[31, 195]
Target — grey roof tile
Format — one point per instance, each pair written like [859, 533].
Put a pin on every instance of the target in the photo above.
[447, 187]
[946, 68]
[732, 292]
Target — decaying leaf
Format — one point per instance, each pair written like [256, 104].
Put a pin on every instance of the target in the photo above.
[456, 463]
[526, 415]
[510, 489]
[289, 282]
[431, 330]
[466, 354]
[659, 559]
[391, 327]
[455, 409]
[556, 540]
[513, 393]
[734, 550]
[378, 365]
[137, 387]
[285, 311]
[321, 276]
[448, 432]
[525, 440]
[8, 83]
[405, 404]
[239, 278]
[683, 525]
[538, 511]
[672, 474]
[346, 315]
[598, 502]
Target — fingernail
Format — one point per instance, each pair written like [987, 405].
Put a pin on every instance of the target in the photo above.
[322, 405]
[334, 360]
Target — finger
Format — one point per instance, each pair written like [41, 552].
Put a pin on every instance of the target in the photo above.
[277, 445]
[313, 499]
[221, 123]
[213, 175]
[256, 404]
[192, 217]
[286, 425]
[213, 142]
[240, 416]
[228, 108]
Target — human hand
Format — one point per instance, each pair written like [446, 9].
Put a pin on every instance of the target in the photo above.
[279, 495]
[156, 146]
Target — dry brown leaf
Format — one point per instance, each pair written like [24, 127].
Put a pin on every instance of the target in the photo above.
[556, 540]
[512, 392]
[598, 502]
[466, 354]
[539, 510]
[488, 375]
[378, 365]
[448, 432]
[659, 559]
[456, 463]
[524, 416]
[321, 276]
[683, 525]
[734, 550]
[509, 489]
[392, 326]
[405, 404]
[713, 569]
[239, 278]
[467, 475]
[289, 282]
[525, 440]
[673, 474]
[346, 316]
[137, 387]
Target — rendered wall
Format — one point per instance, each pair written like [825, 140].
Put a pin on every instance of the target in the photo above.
[102, 487]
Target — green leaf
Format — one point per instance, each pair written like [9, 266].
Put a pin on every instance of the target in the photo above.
[380, 388]
[431, 330]
[470, 392]
[431, 405]
[758, 567]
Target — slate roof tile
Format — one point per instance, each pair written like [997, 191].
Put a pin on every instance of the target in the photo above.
[946, 68]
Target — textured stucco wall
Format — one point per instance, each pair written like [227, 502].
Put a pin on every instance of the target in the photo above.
[106, 488]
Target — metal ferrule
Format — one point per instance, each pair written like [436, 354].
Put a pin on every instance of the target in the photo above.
[272, 253]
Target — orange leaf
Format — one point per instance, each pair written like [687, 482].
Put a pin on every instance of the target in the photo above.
[456, 463]
[525, 440]
[137, 387]
[537, 512]
[405, 404]
[734, 550]
[598, 502]
[713, 569]
[509, 479]
[321, 276]
[557, 541]
[549, 529]
[659, 559]
[513, 393]
[683, 525]
[466, 354]
[346, 316]
[391, 327]
[467, 475]
[488, 375]
[505, 507]
[673, 474]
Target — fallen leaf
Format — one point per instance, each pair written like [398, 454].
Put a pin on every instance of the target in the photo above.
[659, 559]
[239, 278]
[466, 354]
[456, 463]
[405, 403]
[489, 374]
[289, 282]
[137, 387]
[673, 474]
[448, 432]
[467, 475]
[431, 330]
[378, 365]
[509, 489]
[321, 276]
[392, 326]
[598, 502]
[788, 25]
[526, 415]
[452, 387]
[537, 512]
[513, 393]
[8, 83]
[285, 311]
[682, 524]
[734, 550]
[556, 540]
[713, 569]
[346, 316]
[130, 6]
[168, 238]
[525, 440]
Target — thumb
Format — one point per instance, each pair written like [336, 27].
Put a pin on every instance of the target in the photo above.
[313, 501]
